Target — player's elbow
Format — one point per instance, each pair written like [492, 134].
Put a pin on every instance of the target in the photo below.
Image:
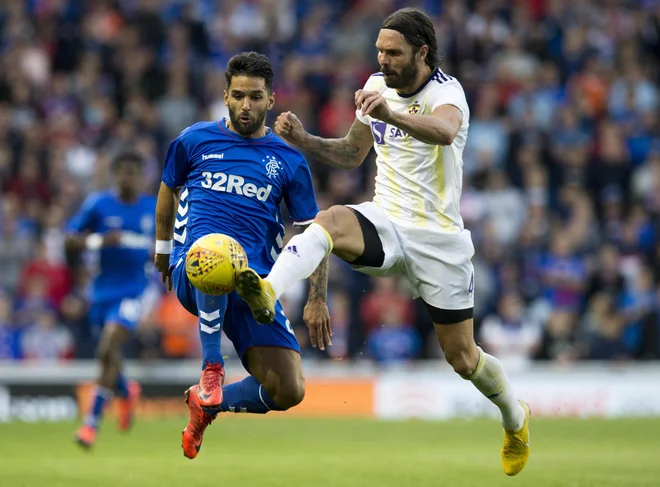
[445, 139]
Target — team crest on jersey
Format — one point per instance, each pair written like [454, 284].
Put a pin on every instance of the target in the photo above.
[414, 109]
[273, 166]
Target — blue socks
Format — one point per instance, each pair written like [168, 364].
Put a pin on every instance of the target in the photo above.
[210, 326]
[99, 400]
[247, 396]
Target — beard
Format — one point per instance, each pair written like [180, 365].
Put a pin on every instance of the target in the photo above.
[401, 79]
[243, 128]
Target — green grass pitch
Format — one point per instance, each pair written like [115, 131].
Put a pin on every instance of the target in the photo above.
[291, 452]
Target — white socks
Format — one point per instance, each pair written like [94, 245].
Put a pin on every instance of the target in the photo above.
[491, 380]
[300, 258]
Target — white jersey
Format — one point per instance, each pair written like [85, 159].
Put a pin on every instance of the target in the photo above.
[418, 184]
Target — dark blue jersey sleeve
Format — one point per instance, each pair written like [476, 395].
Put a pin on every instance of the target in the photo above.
[299, 196]
[177, 165]
[86, 218]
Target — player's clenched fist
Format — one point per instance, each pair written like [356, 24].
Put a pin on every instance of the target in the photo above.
[289, 127]
[373, 104]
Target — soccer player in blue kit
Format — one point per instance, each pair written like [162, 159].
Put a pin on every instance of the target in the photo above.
[117, 227]
[230, 177]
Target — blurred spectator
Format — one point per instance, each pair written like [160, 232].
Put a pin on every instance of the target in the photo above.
[510, 334]
[46, 340]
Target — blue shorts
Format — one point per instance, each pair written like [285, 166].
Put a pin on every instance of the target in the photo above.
[125, 312]
[230, 313]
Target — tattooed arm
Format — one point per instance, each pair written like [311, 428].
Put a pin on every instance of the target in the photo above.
[166, 212]
[318, 282]
[316, 315]
[346, 153]
[165, 215]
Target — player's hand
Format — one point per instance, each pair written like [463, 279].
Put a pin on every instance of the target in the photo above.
[112, 238]
[317, 318]
[289, 127]
[162, 263]
[373, 104]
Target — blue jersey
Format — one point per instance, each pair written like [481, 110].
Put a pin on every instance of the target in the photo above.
[122, 271]
[235, 185]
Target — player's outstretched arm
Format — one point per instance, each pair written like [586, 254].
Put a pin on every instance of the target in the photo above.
[165, 215]
[315, 314]
[348, 152]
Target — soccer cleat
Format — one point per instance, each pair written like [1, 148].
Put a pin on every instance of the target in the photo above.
[209, 392]
[192, 436]
[258, 294]
[86, 436]
[126, 406]
[515, 450]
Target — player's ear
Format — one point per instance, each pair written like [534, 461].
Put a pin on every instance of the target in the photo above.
[423, 52]
[271, 101]
[226, 98]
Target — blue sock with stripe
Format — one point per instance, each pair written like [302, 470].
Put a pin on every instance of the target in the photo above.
[210, 327]
[100, 398]
[247, 396]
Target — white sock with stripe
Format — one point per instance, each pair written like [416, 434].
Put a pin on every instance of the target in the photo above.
[300, 258]
[491, 380]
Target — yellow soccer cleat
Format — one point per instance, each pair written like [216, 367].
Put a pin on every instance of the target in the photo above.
[515, 451]
[258, 294]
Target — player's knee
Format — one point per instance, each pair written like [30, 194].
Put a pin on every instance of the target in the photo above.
[331, 220]
[289, 394]
[461, 360]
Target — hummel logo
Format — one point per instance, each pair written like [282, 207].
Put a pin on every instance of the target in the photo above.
[213, 156]
[292, 249]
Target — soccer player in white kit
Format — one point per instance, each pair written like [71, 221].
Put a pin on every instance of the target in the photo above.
[416, 117]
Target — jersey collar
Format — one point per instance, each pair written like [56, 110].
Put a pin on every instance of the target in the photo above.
[223, 127]
[421, 87]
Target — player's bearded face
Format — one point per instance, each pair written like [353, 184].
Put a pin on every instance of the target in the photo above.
[402, 77]
[246, 122]
[248, 101]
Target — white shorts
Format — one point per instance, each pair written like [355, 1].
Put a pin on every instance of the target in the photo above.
[437, 264]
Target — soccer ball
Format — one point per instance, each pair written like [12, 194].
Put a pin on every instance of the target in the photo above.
[213, 263]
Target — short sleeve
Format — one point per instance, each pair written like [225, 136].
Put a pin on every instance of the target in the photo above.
[299, 196]
[86, 218]
[448, 93]
[177, 165]
[374, 83]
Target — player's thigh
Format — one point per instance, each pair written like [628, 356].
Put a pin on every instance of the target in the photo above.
[343, 227]
[441, 273]
[247, 335]
[381, 254]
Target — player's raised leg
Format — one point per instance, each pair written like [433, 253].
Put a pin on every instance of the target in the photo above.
[109, 355]
[488, 376]
[334, 230]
